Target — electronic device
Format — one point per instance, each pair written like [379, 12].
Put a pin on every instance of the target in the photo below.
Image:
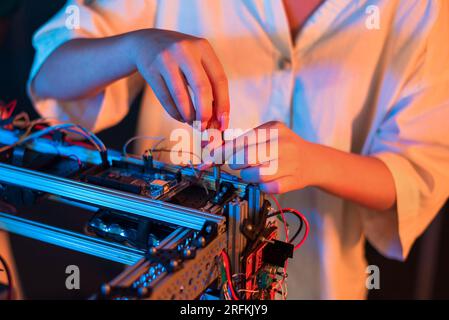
[182, 233]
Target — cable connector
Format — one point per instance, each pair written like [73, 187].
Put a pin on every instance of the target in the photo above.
[104, 159]
[277, 252]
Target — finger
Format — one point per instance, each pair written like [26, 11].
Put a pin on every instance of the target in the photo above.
[205, 166]
[272, 125]
[220, 87]
[243, 152]
[232, 150]
[214, 123]
[262, 173]
[177, 86]
[235, 166]
[202, 90]
[161, 91]
[264, 135]
[244, 158]
[253, 155]
[278, 186]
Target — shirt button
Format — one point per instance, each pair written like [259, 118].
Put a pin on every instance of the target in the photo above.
[284, 63]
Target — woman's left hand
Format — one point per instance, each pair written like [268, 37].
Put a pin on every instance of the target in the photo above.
[278, 160]
[273, 156]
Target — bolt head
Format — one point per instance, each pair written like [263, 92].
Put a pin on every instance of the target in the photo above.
[202, 241]
[152, 251]
[105, 289]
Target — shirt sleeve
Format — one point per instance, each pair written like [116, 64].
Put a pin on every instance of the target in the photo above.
[91, 19]
[413, 142]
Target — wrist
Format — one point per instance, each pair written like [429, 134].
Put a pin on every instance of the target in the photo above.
[316, 171]
[131, 43]
[141, 43]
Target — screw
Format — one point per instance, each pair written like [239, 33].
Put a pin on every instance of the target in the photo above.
[209, 229]
[187, 253]
[202, 241]
[105, 289]
[174, 264]
[152, 251]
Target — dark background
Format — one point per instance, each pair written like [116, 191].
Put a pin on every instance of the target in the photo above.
[423, 276]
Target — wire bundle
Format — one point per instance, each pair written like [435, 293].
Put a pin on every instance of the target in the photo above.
[303, 222]
[228, 286]
[23, 122]
[7, 110]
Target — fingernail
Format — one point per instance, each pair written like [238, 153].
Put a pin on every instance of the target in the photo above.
[204, 166]
[224, 121]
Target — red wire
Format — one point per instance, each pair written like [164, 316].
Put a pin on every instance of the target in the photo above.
[281, 210]
[306, 223]
[8, 109]
[282, 215]
[227, 266]
[80, 164]
[11, 107]
[71, 141]
[306, 232]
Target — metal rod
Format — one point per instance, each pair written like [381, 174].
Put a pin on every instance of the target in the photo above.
[92, 156]
[70, 240]
[132, 273]
[107, 198]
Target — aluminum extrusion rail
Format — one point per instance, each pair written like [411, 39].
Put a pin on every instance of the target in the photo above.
[107, 198]
[70, 240]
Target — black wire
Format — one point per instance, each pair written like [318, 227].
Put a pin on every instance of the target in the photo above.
[301, 225]
[173, 151]
[8, 277]
[301, 222]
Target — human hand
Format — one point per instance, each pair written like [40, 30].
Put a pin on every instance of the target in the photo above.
[173, 62]
[273, 156]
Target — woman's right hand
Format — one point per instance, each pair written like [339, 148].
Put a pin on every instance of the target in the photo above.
[173, 62]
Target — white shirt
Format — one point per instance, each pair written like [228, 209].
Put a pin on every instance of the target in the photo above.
[380, 92]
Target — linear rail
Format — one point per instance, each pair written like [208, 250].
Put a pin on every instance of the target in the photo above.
[92, 156]
[129, 275]
[107, 198]
[70, 240]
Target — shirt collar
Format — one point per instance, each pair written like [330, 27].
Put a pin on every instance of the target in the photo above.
[271, 17]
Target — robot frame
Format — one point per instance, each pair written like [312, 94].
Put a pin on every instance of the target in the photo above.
[180, 236]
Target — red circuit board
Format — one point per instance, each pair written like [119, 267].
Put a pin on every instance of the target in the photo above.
[254, 262]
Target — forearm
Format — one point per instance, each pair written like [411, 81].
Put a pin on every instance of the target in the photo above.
[361, 179]
[84, 67]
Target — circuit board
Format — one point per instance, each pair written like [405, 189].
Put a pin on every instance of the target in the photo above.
[193, 233]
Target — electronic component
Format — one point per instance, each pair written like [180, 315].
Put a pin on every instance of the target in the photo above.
[276, 253]
[134, 231]
[169, 224]
[159, 187]
[132, 178]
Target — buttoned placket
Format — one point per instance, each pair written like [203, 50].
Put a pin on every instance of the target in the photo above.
[314, 28]
[273, 17]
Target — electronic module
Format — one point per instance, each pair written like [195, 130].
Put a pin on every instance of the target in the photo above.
[182, 233]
